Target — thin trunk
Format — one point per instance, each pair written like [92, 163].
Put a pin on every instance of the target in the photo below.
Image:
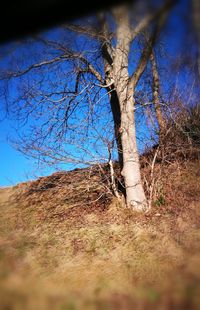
[156, 100]
[113, 181]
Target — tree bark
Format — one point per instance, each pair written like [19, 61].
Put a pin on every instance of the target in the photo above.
[156, 100]
[115, 108]
[135, 196]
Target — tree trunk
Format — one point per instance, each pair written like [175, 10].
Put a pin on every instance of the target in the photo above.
[135, 196]
[156, 101]
[115, 108]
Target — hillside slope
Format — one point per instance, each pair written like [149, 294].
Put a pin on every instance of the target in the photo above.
[65, 243]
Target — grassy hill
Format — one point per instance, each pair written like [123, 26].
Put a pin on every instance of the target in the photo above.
[66, 243]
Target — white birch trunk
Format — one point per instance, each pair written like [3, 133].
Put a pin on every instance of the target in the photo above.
[135, 196]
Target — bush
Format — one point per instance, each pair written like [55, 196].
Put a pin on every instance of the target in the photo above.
[182, 136]
[192, 125]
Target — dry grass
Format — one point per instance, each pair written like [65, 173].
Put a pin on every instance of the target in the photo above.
[63, 247]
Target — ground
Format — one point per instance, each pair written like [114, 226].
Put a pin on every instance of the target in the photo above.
[66, 243]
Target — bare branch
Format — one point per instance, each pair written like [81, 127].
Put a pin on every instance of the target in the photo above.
[68, 55]
[149, 18]
[93, 33]
[143, 60]
[161, 14]
[34, 66]
[156, 90]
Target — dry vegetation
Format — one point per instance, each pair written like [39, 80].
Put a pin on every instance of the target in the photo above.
[65, 243]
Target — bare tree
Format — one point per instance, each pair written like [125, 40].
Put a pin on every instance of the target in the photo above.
[76, 82]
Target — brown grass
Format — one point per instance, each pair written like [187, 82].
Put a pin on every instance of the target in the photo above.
[65, 243]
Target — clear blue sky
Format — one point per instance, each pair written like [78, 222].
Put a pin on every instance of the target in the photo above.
[16, 167]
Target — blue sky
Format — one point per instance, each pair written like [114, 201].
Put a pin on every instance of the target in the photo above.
[16, 167]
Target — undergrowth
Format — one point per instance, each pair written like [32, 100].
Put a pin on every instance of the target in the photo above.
[65, 245]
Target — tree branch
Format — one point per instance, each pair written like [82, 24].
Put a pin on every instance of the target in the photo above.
[9, 75]
[162, 14]
[143, 60]
[86, 31]
[149, 18]
[68, 55]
